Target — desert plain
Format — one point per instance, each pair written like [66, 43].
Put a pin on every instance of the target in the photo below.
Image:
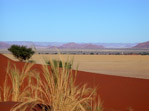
[136, 66]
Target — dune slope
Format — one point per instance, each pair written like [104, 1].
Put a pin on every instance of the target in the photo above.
[117, 93]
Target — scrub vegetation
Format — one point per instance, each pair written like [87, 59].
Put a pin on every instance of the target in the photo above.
[21, 52]
[54, 89]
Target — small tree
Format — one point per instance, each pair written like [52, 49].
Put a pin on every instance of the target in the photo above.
[21, 52]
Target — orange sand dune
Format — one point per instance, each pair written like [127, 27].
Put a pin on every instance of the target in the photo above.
[117, 93]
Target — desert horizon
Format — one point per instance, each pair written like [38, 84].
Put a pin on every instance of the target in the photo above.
[74, 55]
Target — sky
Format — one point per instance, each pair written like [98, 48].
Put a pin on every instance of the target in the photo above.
[102, 21]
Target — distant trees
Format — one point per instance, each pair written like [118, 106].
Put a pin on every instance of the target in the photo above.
[21, 52]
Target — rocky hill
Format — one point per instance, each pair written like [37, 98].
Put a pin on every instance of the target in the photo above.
[4, 45]
[144, 45]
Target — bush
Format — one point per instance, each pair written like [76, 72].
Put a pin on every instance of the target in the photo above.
[91, 53]
[21, 52]
[58, 63]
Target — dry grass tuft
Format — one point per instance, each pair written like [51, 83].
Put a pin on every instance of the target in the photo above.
[56, 91]
[13, 88]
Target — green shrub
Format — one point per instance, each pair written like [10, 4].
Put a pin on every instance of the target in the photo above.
[58, 63]
[21, 52]
[91, 53]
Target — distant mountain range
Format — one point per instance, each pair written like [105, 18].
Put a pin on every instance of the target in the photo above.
[37, 44]
[4, 45]
[144, 45]
[117, 45]
[72, 45]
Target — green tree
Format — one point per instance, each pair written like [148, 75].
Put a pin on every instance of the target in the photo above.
[21, 52]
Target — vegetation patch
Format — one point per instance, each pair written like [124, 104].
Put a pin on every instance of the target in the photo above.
[59, 63]
[21, 52]
[52, 90]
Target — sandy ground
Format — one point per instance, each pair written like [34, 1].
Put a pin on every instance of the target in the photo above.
[117, 93]
[121, 65]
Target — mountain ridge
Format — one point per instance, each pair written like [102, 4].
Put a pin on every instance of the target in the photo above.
[143, 45]
[71, 45]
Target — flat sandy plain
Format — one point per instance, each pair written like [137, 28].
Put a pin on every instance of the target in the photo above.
[120, 65]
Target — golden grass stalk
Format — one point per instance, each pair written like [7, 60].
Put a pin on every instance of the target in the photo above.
[57, 89]
[17, 79]
[5, 90]
[14, 81]
[97, 106]
[24, 106]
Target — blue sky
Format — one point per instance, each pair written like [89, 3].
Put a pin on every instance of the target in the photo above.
[108, 21]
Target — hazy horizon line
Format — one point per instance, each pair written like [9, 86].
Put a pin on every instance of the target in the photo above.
[70, 42]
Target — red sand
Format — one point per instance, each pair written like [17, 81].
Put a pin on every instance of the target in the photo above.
[6, 106]
[117, 93]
